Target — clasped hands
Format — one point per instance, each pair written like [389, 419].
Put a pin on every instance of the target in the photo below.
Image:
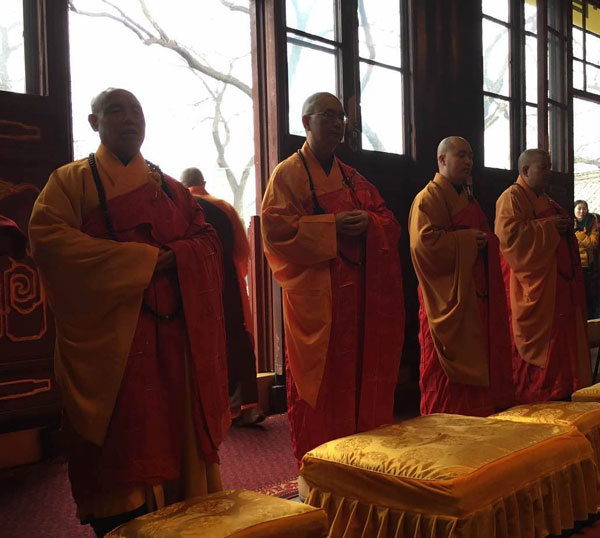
[351, 223]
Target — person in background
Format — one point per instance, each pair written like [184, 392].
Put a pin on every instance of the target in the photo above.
[586, 232]
[241, 362]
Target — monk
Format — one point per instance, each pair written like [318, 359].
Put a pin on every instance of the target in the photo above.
[464, 335]
[333, 246]
[241, 362]
[544, 285]
[12, 239]
[133, 275]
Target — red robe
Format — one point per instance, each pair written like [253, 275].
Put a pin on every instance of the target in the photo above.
[363, 348]
[450, 385]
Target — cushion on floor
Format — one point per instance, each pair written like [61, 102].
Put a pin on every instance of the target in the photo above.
[443, 476]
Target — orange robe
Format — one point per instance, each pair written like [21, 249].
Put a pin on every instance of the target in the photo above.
[544, 286]
[464, 335]
[124, 375]
[241, 361]
[344, 323]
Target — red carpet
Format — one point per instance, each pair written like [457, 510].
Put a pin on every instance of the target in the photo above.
[35, 500]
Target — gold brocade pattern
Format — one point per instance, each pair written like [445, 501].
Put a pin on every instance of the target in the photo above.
[585, 416]
[587, 394]
[231, 513]
[443, 476]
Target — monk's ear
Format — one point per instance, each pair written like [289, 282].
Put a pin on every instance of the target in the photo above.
[93, 119]
[442, 159]
[306, 122]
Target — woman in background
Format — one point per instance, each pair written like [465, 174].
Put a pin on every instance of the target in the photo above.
[586, 231]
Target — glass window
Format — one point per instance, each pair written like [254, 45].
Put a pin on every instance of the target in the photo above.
[587, 138]
[556, 66]
[577, 42]
[496, 8]
[316, 18]
[497, 132]
[304, 60]
[381, 110]
[12, 46]
[531, 67]
[531, 16]
[592, 48]
[531, 124]
[593, 79]
[578, 82]
[379, 31]
[495, 58]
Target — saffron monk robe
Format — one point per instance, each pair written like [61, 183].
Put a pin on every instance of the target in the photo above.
[333, 246]
[133, 275]
[464, 334]
[544, 286]
[241, 361]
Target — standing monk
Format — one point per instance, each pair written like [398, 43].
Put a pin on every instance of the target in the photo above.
[132, 272]
[333, 247]
[544, 283]
[464, 335]
[241, 362]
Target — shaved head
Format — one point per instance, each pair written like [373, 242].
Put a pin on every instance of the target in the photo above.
[529, 156]
[99, 102]
[318, 102]
[449, 143]
[192, 177]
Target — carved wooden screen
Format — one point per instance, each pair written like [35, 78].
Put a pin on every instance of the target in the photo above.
[35, 138]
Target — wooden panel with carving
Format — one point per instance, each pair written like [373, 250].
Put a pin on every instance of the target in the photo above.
[35, 138]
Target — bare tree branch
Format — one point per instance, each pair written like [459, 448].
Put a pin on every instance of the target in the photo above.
[235, 7]
[103, 14]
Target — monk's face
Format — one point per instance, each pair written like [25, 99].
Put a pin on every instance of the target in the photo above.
[456, 164]
[120, 123]
[325, 125]
[538, 173]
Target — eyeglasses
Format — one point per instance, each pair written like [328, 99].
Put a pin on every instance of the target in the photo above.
[332, 115]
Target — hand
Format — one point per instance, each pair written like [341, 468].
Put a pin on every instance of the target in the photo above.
[351, 223]
[562, 224]
[166, 260]
[481, 238]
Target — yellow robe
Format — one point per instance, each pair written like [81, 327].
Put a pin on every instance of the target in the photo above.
[443, 261]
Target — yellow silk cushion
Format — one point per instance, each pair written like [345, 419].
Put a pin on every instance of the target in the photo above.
[231, 513]
[585, 416]
[448, 475]
[587, 394]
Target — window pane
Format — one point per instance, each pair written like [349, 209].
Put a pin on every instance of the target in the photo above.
[531, 67]
[586, 140]
[496, 8]
[495, 58]
[12, 50]
[531, 16]
[531, 127]
[593, 79]
[555, 19]
[592, 47]
[577, 43]
[309, 71]
[497, 132]
[556, 68]
[577, 14]
[578, 75]
[381, 109]
[379, 31]
[316, 18]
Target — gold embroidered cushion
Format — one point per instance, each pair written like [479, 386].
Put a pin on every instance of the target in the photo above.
[446, 464]
[587, 394]
[585, 416]
[231, 513]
